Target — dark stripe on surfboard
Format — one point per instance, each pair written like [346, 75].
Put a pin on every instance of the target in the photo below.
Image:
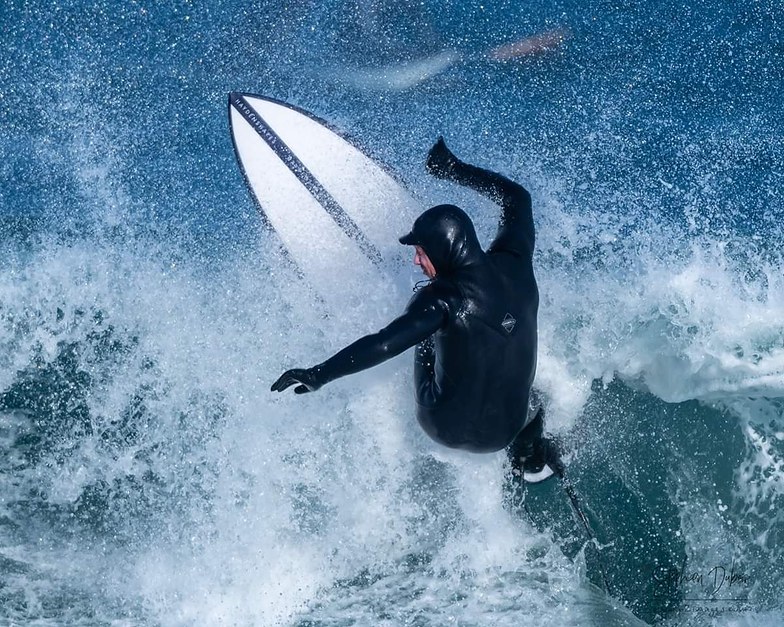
[306, 177]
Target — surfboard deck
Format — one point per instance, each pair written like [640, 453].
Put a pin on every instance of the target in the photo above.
[336, 210]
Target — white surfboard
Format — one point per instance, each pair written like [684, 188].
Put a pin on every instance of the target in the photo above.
[337, 211]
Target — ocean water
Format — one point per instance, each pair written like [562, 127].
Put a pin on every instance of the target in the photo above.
[147, 475]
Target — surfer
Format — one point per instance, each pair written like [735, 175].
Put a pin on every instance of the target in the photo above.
[474, 326]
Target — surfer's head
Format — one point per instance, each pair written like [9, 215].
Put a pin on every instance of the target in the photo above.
[447, 236]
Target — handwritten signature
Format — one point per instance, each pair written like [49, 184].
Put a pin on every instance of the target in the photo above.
[710, 581]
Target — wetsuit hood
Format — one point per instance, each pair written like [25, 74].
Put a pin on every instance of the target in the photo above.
[447, 235]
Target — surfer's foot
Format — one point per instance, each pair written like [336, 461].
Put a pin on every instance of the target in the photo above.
[537, 457]
[537, 477]
[544, 462]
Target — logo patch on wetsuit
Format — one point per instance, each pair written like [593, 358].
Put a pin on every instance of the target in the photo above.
[508, 323]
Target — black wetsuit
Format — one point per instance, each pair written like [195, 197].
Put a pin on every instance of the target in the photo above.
[474, 323]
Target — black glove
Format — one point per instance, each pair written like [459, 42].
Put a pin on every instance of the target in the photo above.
[440, 160]
[308, 380]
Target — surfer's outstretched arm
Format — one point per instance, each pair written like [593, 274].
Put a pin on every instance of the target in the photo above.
[516, 232]
[423, 317]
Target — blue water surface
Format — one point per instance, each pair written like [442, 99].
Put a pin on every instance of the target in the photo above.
[147, 476]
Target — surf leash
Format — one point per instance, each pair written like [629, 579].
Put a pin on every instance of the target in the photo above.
[578, 511]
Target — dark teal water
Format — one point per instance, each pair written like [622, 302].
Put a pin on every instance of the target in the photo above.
[147, 476]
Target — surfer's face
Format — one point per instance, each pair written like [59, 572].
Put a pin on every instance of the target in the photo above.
[423, 261]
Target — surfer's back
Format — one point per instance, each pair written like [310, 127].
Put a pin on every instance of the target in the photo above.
[485, 356]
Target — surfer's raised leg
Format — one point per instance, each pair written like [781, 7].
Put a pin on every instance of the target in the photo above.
[533, 455]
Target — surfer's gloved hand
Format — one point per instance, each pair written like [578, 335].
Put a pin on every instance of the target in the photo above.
[440, 160]
[308, 379]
